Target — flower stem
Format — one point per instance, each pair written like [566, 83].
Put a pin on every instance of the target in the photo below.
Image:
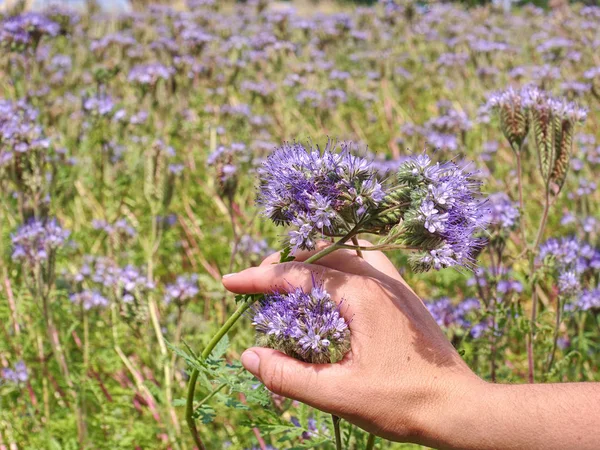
[370, 442]
[205, 354]
[559, 308]
[358, 250]
[338, 434]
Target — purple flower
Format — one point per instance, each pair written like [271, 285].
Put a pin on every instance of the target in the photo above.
[37, 241]
[20, 131]
[150, 74]
[502, 212]
[305, 325]
[319, 192]
[445, 215]
[568, 283]
[183, 290]
[27, 28]
[254, 248]
[589, 300]
[100, 105]
[89, 299]
[447, 315]
[18, 374]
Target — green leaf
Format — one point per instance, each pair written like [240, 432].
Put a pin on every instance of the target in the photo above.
[233, 403]
[285, 255]
[179, 402]
[190, 360]
[204, 413]
[220, 348]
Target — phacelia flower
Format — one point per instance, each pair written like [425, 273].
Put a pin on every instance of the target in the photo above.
[305, 325]
[589, 300]
[445, 213]
[502, 212]
[150, 74]
[89, 299]
[37, 241]
[18, 374]
[184, 289]
[26, 29]
[448, 315]
[319, 192]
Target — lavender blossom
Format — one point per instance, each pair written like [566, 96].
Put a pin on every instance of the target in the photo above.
[445, 213]
[150, 74]
[305, 325]
[26, 29]
[319, 192]
[502, 212]
[18, 374]
[89, 300]
[37, 241]
[183, 290]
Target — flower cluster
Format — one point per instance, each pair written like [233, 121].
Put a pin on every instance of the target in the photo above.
[570, 259]
[37, 241]
[127, 283]
[444, 215]
[318, 192]
[589, 300]
[89, 299]
[183, 290]
[26, 29]
[305, 325]
[448, 315]
[18, 374]
[253, 248]
[20, 132]
[150, 74]
[502, 212]
[553, 122]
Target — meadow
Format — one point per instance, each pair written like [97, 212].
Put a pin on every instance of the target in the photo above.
[131, 147]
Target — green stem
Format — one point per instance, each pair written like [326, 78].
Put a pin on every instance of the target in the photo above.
[559, 308]
[338, 434]
[358, 251]
[205, 354]
[370, 442]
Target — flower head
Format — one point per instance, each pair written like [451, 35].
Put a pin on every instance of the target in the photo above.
[445, 213]
[184, 289]
[317, 191]
[18, 374]
[305, 325]
[89, 299]
[37, 241]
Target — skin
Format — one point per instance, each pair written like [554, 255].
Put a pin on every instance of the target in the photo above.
[403, 380]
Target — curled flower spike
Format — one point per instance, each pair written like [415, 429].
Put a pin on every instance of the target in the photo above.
[445, 213]
[305, 325]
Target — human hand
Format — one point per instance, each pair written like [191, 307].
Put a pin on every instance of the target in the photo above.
[401, 372]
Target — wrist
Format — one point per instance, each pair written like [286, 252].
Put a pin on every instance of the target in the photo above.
[458, 410]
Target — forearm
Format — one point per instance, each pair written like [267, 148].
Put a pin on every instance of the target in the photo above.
[541, 416]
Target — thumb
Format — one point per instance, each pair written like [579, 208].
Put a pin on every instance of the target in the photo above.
[318, 385]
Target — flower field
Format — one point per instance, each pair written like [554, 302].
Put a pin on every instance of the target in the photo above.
[145, 154]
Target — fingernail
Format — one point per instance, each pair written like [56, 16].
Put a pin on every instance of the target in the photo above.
[228, 275]
[251, 362]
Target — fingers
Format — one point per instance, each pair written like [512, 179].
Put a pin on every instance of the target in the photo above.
[346, 260]
[319, 385]
[279, 277]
